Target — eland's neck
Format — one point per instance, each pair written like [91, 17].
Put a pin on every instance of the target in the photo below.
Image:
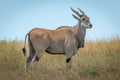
[79, 31]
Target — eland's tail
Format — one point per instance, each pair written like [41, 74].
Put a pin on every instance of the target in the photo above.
[24, 49]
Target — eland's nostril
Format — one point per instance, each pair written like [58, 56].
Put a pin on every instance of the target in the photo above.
[90, 25]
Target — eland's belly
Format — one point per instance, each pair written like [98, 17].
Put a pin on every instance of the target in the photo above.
[55, 49]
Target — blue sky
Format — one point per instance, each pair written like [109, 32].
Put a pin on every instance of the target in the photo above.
[17, 17]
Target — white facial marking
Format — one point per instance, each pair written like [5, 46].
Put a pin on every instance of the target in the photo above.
[85, 23]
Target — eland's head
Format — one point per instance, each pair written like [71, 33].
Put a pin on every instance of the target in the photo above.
[82, 18]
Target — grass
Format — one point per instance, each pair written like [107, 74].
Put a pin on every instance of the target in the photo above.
[98, 60]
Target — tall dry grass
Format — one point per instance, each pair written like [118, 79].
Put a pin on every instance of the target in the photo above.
[98, 60]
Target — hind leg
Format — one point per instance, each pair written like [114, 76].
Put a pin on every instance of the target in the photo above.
[37, 57]
[29, 59]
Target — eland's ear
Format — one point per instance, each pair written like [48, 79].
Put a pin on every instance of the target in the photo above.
[76, 17]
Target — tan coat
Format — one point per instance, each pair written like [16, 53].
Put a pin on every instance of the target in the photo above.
[60, 40]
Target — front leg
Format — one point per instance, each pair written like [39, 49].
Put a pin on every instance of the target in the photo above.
[68, 62]
[69, 55]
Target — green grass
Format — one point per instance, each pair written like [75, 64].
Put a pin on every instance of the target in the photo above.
[98, 60]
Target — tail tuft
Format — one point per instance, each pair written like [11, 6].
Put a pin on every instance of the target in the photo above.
[24, 51]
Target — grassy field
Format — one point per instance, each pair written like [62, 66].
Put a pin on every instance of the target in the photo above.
[98, 60]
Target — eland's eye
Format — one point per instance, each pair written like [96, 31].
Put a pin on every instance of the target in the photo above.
[83, 19]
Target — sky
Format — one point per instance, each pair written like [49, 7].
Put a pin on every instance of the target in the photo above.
[18, 17]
